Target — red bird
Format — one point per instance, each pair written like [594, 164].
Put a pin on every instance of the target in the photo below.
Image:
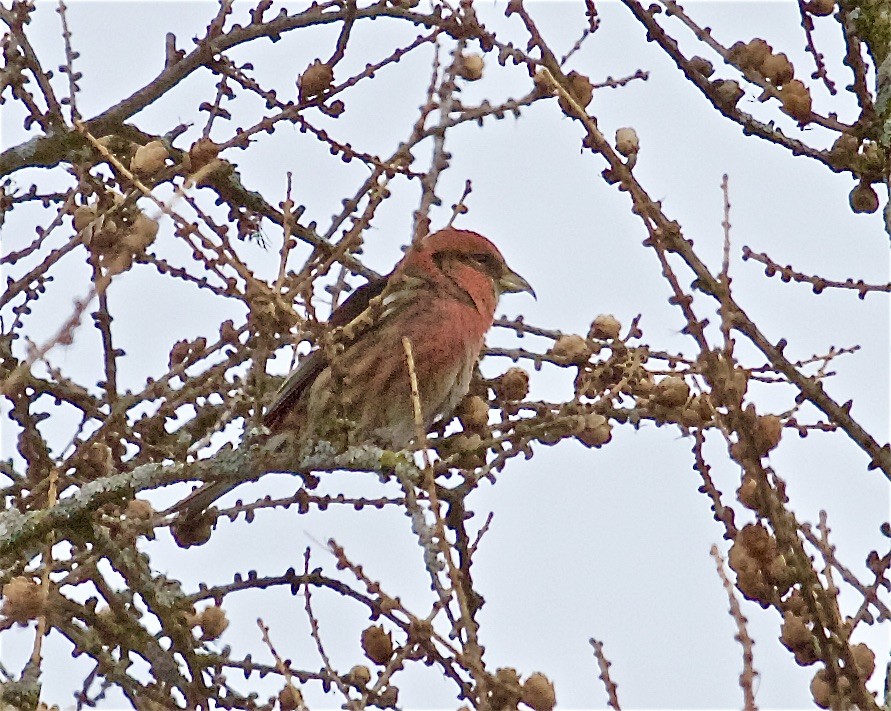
[442, 297]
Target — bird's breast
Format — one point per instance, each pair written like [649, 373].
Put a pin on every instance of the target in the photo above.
[370, 383]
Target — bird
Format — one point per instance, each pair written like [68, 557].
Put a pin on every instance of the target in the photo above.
[356, 388]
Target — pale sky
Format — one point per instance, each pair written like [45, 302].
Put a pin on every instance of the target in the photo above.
[610, 543]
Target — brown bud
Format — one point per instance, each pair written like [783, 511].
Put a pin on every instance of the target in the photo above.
[474, 413]
[740, 559]
[388, 698]
[469, 459]
[179, 353]
[627, 142]
[470, 67]
[465, 443]
[605, 327]
[575, 424]
[753, 586]
[865, 659]
[795, 603]
[358, 677]
[191, 617]
[703, 403]
[873, 155]
[538, 692]
[748, 492]
[377, 644]
[756, 539]
[821, 690]
[316, 80]
[736, 52]
[796, 101]
[580, 88]
[750, 557]
[150, 158]
[228, 332]
[83, 216]
[863, 198]
[777, 69]
[795, 632]
[572, 347]
[597, 431]
[202, 152]
[139, 510]
[767, 433]
[798, 639]
[542, 83]
[736, 383]
[781, 574]
[290, 698]
[691, 417]
[671, 391]
[213, 622]
[506, 691]
[756, 52]
[846, 144]
[821, 8]
[643, 384]
[23, 600]
[513, 385]
[727, 93]
[141, 234]
[751, 54]
[551, 436]
[702, 66]
[99, 457]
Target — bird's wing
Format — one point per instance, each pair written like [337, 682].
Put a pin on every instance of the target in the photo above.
[311, 366]
[357, 302]
[300, 378]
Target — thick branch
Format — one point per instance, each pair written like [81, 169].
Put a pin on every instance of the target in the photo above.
[22, 534]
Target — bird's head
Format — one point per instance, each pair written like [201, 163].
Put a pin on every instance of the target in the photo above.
[469, 261]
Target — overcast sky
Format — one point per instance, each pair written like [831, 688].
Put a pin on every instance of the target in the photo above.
[610, 543]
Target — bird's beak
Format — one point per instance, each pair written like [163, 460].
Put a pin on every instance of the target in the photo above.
[511, 282]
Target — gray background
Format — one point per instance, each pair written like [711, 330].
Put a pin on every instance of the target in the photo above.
[610, 543]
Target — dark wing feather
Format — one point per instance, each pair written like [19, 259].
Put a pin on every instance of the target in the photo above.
[357, 302]
[291, 390]
[309, 368]
[295, 384]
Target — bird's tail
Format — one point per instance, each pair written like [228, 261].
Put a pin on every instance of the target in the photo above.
[201, 498]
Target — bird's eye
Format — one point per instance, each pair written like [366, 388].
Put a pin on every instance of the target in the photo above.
[481, 259]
